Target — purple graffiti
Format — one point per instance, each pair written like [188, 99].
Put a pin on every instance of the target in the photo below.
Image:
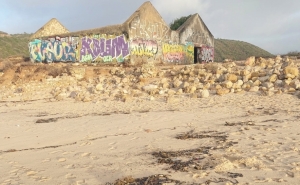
[103, 48]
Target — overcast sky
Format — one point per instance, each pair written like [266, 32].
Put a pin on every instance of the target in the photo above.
[273, 25]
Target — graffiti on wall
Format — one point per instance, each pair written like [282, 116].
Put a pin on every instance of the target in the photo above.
[173, 52]
[141, 47]
[98, 47]
[146, 29]
[198, 37]
[207, 54]
[54, 49]
[176, 52]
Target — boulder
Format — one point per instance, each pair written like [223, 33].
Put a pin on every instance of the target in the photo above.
[250, 61]
[291, 72]
[232, 77]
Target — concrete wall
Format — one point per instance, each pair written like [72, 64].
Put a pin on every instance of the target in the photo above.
[197, 33]
[90, 48]
[51, 28]
[144, 37]
[147, 32]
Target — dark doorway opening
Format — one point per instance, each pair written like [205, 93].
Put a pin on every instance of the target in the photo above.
[197, 55]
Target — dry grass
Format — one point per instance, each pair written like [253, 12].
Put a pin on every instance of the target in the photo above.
[6, 65]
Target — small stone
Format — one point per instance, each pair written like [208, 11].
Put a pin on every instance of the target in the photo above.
[273, 78]
[193, 96]
[150, 87]
[171, 92]
[204, 93]
[172, 99]
[227, 84]
[222, 91]
[254, 89]
[268, 85]
[232, 77]
[250, 61]
[99, 87]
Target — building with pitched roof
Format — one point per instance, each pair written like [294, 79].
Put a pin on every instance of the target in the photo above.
[143, 37]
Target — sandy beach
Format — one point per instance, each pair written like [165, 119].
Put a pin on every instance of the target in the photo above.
[233, 139]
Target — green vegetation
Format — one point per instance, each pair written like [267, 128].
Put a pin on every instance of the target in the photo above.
[237, 50]
[293, 53]
[178, 22]
[15, 45]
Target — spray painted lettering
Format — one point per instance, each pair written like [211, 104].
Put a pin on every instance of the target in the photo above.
[141, 47]
[54, 49]
[149, 30]
[105, 49]
[175, 52]
[207, 54]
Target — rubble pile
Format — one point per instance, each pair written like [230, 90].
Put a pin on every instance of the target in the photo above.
[255, 75]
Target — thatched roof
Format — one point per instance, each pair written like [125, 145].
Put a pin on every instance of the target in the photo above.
[52, 27]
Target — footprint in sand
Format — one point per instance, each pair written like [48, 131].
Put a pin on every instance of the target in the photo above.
[65, 153]
[46, 160]
[70, 166]
[44, 179]
[80, 182]
[94, 157]
[70, 176]
[86, 143]
[85, 154]
[14, 171]
[112, 148]
[62, 159]
[31, 173]
[113, 143]
[54, 152]
[134, 138]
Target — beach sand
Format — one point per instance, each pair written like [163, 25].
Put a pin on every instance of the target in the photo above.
[232, 139]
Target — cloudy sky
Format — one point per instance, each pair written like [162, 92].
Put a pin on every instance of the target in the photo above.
[273, 25]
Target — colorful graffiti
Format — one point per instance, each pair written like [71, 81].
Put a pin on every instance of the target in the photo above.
[99, 47]
[207, 54]
[175, 52]
[54, 49]
[141, 47]
[149, 30]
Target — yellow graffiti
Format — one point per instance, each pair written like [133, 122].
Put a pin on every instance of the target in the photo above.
[170, 48]
[176, 52]
[142, 52]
